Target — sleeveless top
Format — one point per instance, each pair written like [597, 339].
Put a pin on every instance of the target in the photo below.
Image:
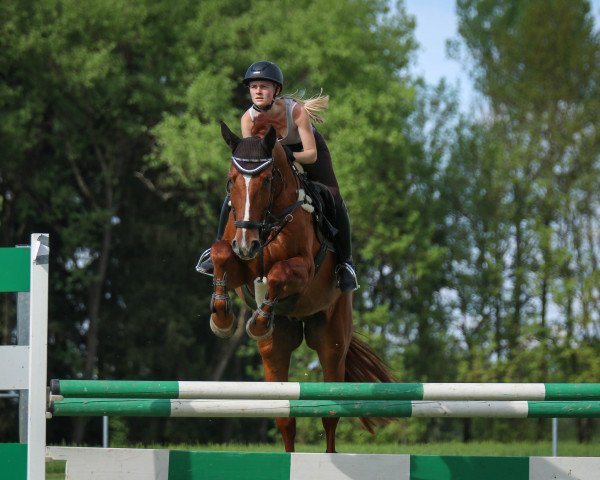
[320, 171]
[293, 135]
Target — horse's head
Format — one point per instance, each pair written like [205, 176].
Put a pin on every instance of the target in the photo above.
[250, 184]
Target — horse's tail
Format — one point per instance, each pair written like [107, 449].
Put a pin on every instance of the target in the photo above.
[364, 365]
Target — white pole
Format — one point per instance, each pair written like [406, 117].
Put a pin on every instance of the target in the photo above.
[105, 432]
[23, 307]
[38, 347]
[10, 395]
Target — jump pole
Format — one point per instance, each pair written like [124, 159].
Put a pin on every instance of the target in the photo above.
[324, 391]
[323, 408]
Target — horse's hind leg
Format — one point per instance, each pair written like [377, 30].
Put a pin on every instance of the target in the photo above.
[276, 352]
[330, 336]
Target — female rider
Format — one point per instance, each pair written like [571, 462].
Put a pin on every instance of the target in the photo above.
[291, 119]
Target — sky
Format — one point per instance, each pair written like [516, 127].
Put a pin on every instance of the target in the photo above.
[436, 22]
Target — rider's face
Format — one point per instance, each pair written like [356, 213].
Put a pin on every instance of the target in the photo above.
[262, 92]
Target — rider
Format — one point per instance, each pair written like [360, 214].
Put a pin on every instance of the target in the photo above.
[304, 144]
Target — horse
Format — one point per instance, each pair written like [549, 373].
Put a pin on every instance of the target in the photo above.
[272, 257]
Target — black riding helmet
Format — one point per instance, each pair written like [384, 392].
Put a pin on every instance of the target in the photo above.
[264, 70]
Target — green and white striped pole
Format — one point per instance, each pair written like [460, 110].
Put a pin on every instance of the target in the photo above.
[323, 408]
[331, 391]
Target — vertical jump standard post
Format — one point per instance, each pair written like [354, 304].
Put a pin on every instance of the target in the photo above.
[24, 270]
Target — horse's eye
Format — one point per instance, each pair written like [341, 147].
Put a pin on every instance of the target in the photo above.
[229, 185]
[267, 182]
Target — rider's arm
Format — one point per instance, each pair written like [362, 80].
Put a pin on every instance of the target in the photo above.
[246, 123]
[308, 154]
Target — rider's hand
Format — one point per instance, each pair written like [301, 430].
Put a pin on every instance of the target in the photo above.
[289, 153]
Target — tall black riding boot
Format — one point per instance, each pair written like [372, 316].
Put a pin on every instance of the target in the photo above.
[344, 271]
[205, 264]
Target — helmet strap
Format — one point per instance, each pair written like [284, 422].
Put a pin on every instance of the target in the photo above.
[266, 109]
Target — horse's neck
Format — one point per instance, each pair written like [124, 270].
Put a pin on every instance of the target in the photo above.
[276, 118]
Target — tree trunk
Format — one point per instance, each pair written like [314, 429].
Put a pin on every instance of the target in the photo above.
[467, 432]
[94, 315]
[518, 284]
[96, 289]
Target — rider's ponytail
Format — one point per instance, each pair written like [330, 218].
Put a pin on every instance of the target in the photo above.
[313, 105]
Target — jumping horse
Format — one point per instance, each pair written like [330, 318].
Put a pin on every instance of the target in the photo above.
[267, 254]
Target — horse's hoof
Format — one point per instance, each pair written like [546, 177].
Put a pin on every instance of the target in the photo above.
[222, 332]
[251, 323]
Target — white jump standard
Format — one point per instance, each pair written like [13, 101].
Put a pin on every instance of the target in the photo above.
[25, 270]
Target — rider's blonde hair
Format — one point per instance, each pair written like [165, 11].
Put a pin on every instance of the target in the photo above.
[314, 105]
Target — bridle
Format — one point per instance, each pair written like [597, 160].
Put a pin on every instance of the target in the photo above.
[271, 224]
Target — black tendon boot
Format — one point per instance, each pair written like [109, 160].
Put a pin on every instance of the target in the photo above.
[205, 264]
[344, 271]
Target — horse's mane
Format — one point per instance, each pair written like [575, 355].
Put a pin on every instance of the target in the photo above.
[314, 105]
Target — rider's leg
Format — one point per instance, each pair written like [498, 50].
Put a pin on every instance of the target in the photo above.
[344, 272]
[205, 264]
[322, 171]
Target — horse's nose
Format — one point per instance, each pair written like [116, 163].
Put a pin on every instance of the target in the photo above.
[254, 248]
[245, 251]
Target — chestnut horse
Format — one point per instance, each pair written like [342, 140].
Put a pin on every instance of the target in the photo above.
[270, 243]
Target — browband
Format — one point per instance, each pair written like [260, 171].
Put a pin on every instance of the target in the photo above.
[258, 165]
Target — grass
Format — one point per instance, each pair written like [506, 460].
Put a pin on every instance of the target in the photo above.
[459, 448]
[565, 448]
[55, 470]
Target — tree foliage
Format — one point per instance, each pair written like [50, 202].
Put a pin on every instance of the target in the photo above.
[534, 204]
[475, 238]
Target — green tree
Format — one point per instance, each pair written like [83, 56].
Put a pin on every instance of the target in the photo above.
[83, 85]
[536, 62]
[359, 53]
[112, 146]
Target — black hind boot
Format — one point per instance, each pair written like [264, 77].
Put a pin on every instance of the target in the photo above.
[205, 264]
[344, 271]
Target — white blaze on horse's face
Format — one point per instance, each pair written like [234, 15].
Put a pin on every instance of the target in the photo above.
[244, 231]
[250, 197]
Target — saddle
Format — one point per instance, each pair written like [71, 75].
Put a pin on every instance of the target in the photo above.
[323, 202]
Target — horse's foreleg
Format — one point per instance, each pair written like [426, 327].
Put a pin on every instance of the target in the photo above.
[285, 278]
[276, 352]
[222, 321]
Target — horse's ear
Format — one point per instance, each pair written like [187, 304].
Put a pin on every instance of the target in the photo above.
[230, 138]
[269, 141]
